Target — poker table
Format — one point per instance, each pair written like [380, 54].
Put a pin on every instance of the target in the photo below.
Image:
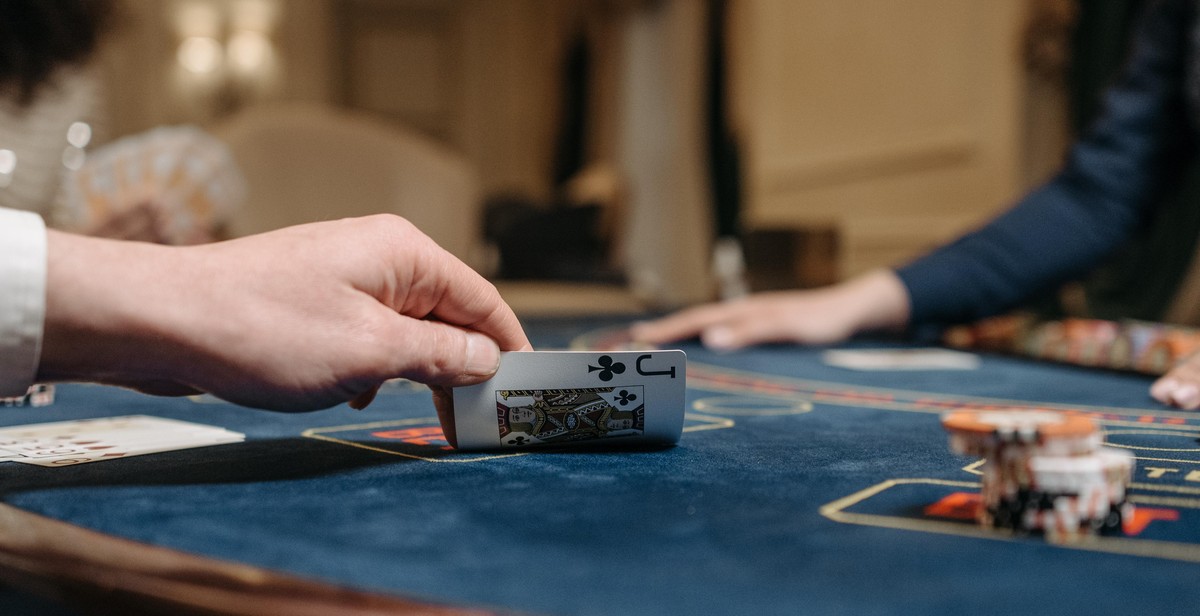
[797, 487]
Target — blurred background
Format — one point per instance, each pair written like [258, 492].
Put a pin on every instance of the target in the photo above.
[625, 155]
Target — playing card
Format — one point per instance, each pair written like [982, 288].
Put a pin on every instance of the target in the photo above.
[66, 443]
[900, 359]
[187, 174]
[125, 424]
[570, 397]
[113, 451]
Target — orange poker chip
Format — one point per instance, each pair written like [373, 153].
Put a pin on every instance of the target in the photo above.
[1019, 425]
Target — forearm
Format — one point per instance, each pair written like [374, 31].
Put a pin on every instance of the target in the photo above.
[109, 310]
[877, 300]
[1056, 234]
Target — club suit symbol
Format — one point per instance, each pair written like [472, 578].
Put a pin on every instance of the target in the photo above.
[607, 368]
[625, 397]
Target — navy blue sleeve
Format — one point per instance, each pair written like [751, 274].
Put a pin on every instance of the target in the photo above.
[1114, 174]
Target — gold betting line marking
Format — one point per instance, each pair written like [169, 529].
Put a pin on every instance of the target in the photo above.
[1148, 548]
[1165, 501]
[1153, 433]
[1149, 459]
[714, 423]
[1166, 488]
[712, 404]
[318, 434]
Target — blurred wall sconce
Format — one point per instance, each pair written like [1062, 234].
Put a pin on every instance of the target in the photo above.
[201, 55]
[8, 164]
[225, 56]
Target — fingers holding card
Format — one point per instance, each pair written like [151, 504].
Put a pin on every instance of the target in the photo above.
[569, 397]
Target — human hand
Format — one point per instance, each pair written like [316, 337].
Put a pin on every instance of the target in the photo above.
[875, 300]
[297, 319]
[1180, 386]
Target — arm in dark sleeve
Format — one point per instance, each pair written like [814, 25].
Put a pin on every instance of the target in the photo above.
[1068, 226]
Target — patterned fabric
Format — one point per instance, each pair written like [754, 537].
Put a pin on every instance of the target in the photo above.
[34, 147]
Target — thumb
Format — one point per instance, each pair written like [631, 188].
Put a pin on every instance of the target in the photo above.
[435, 353]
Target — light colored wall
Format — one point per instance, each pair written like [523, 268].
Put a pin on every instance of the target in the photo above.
[898, 124]
[662, 152]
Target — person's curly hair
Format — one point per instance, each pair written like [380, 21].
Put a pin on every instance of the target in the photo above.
[39, 36]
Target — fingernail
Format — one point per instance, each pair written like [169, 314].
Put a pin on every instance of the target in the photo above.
[1187, 396]
[483, 356]
[363, 400]
[717, 337]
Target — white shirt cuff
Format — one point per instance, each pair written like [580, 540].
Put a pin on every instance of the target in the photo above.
[22, 298]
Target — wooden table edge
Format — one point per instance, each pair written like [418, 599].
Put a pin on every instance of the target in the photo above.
[102, 574]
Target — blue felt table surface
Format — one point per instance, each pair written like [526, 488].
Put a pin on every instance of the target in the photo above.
[729, 521]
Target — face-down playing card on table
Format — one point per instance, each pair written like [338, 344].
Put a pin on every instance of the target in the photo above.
[571, 397]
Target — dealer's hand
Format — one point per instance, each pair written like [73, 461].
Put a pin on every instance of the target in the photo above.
[297, 319]
[877, 300]
[1181, 385]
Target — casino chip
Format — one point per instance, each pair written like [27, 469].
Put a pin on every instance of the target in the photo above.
[1138, 346]
[37, 395]
[1045, 471]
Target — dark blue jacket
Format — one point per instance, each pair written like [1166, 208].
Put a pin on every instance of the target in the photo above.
[1115, 174]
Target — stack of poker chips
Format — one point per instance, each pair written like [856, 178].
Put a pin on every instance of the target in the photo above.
[1044, 471]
